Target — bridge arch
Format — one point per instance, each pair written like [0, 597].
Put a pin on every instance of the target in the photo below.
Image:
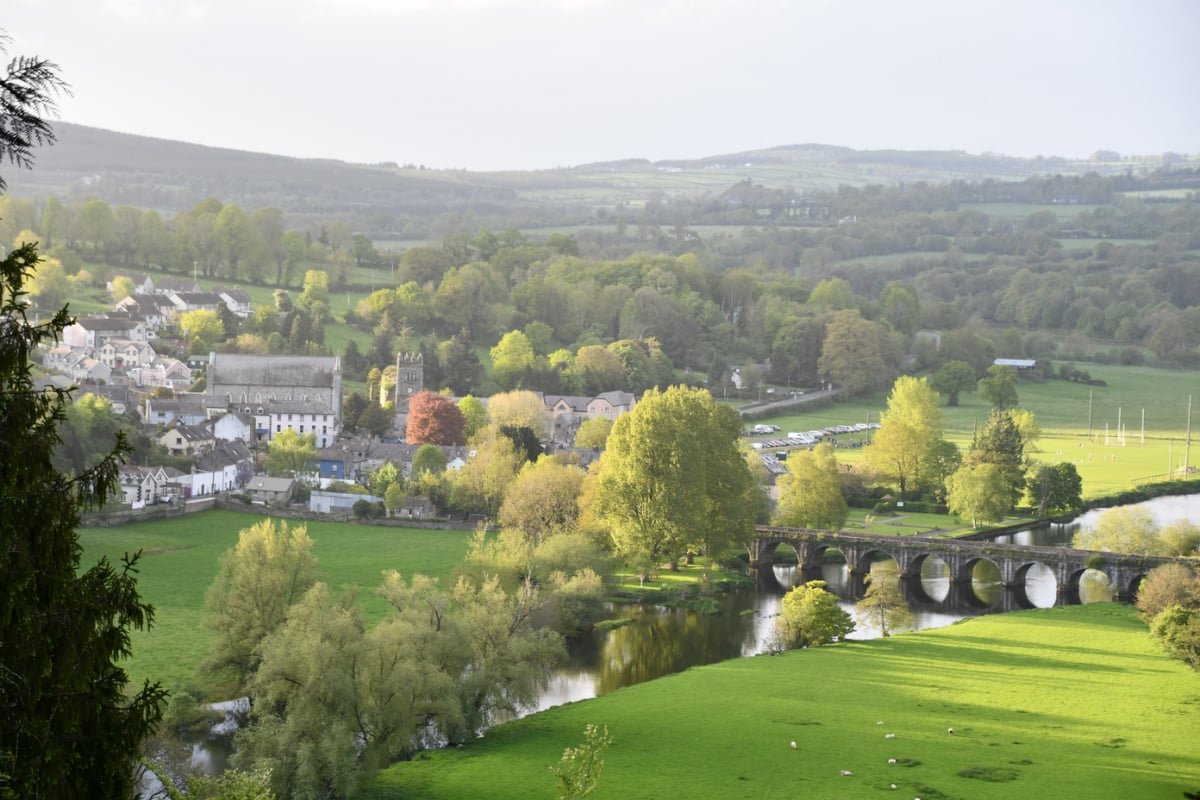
[864, 559]
[925, 575]
[1072, 591]
[967, 581]
[1020, 583]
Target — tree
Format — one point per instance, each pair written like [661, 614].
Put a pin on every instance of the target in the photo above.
[884, 605]
[810, 496]
[1167, 585]
[578, 771]
[543, 499]
[672, 478]
[479, 486]
[1055, 488]
[810, 616]
[1000, 387]
[912, 420]
[291, 453]
[520, 409]
[259, 578]
[1181, 537]
[70, 726]
[1126, 529]
[593, 433]
[202, 328]
[49, 284]
[434, 419]
[854, 354]
[941, 460]
[954, 378]
[474, 415]
[122, 287]
[316, 288]
[461, 367]
[512, 358]
[1177, 629]
[999, 443]
[428, 459]
[375, 420]
[393, 498]
[978, 492]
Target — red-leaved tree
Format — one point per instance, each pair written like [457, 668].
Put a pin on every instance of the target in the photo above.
[434, 419]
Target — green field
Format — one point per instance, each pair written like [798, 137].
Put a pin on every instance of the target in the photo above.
[1063, 703]
[180, 558]
[1061, 408]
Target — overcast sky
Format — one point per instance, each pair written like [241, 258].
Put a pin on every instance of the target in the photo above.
[495, 84]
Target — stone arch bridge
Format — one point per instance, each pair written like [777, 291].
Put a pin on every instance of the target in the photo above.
[1013, 561]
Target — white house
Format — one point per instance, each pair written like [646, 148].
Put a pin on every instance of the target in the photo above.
[185, 440]
[611, 405]
[91, 332]
[144, 486]
[235, 300]
[227, 468]
[299, 393]
[231, 427]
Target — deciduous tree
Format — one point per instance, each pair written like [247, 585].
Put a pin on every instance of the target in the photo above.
[474, 415]
[1055, 487]
[291, 453]
[809, 616]
[543, 499]
[884, 605]
[593, 433]
[672, 478]
[978, 492]
[1000, 387]
[954, 378]
[428, 459]
[810, 496]
[259, 578]
[854, 355]
[1125, 529]
[912, 420]
[434, 419]
[520, 409]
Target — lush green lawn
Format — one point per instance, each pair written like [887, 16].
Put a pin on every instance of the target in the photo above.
[180, 558]
[1065, 703]
[1061, 409]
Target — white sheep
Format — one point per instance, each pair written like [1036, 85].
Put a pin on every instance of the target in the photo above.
[950, 731]
[894, 786]
[793, 745]
[847, 773]
[889, 736]
[891, 762]
[879, 723]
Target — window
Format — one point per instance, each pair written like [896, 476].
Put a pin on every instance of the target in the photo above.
[302, 428]
[277, 427]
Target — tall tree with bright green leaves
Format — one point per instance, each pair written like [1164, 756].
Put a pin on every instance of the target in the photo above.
[884, 605]
[672, 479]
[810, 495]
[70, 725]
[912, 420]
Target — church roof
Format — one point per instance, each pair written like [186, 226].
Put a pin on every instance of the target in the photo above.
[235, 369]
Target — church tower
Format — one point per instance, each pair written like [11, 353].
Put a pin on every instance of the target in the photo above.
[410, 378]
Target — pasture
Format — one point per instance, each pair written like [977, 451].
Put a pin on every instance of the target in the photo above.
[1059, 703]
[1106, 463]
[180, 558]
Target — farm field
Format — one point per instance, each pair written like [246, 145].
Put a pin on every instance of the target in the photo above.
[181, 555]
[1059, 703]
[1061, 409]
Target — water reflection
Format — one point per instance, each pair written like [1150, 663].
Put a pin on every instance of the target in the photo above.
[1095, 587]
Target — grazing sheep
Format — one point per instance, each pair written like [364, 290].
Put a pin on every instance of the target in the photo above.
[879, 723]
[894, 786]
[891, 762]
[889, 736]
[950, 731]
[793, 745]
[847, 773]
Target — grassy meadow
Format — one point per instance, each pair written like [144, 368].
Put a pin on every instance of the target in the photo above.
[180, 557]
[1060, 703]
[1061, 409]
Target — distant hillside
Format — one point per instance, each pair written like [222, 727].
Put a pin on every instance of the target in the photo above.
[171, 176]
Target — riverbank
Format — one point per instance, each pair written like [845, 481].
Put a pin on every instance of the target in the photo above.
[1066, 702]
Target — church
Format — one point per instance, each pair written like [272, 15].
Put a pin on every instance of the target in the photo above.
[299, 393]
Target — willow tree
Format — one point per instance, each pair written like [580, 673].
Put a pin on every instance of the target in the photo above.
[672, 479]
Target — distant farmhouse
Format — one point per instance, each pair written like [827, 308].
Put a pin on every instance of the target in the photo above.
[300, 393]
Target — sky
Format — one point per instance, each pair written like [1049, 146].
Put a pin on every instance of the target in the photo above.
[528, 84]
